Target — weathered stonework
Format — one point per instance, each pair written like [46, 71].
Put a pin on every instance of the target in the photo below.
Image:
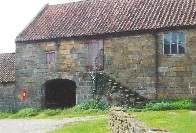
[130, 60]
[7, 98]
[7, 80]
[32, 71]
[122, 122]
[178, 78]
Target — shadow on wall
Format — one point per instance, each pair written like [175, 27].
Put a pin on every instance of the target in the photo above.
[59, 93]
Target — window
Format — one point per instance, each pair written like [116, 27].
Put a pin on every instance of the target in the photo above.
[50, 57]
[95, 54]
[174, 43]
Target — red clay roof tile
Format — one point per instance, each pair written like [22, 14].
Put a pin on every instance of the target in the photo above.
[92, 17]
[7, 67]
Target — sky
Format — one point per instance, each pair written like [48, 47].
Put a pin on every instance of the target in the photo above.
[15, 16]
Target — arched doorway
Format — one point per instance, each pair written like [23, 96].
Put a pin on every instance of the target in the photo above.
[59, 93]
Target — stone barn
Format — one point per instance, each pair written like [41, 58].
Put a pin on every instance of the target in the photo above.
[116, 51]
[7, 80]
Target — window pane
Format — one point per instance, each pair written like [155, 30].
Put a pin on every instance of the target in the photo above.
[181, 37]
[173, 37]
[166, 42]
[181, 49]
[181, 42]
[166, 38]
[166, 48]
[173, 43]
[173, 48]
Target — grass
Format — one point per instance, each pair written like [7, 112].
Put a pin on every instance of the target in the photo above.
[86, 109]
[66, 113]
[177, 121]
[93, 126]
[49, 113]
[168, 114]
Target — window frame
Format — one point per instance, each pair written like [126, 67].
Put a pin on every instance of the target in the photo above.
[177, 42]
[46, 58]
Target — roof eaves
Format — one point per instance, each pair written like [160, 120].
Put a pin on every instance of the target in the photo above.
[123, 32]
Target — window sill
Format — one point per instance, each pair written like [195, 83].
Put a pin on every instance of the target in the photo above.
[173, 55]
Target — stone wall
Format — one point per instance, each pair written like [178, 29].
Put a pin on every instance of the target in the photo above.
[133, 61]
[121, 122]
[72, 61]
[129, 60]
[32, 71]
[177, 73]
[7, 99]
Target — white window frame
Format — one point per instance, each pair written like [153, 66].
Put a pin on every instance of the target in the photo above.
[170, 33]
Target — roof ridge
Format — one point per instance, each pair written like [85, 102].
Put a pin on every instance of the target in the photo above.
[96, 17]
[73, 2]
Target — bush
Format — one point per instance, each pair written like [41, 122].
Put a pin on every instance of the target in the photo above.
[158, 106]
[6, 110]
[52, 112]
[98, 106]
[194, 100]
[168, 104]
[28, 112]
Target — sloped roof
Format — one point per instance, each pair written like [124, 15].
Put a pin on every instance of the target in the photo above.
[7, 67]
[94, 17]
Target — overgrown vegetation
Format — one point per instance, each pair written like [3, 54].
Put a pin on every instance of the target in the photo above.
[97, 108]
[169, 114]
[165, 104]
[85, 109]
[92, 107]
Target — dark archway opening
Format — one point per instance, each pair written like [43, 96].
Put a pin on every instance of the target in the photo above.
[60, 93]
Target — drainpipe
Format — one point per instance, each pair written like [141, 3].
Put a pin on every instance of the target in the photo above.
[58, 41]
[156, 64]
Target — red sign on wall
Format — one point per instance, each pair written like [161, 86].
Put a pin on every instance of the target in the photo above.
[24, 91]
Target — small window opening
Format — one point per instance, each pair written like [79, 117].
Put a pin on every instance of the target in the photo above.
[174, 43]
[95, 54]
[50, 57]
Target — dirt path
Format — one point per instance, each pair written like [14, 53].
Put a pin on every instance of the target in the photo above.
[37, 125]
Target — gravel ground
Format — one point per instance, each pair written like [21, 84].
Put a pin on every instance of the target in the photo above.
[37, 125]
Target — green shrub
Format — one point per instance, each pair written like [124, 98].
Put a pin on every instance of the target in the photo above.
[6, 110]
[52, 112]
[28, 112]
[158, 106]
[98, 106]
[167, 104]
[93, 110]
[194, 100]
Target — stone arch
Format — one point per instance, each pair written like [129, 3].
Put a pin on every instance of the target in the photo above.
[59, 93]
